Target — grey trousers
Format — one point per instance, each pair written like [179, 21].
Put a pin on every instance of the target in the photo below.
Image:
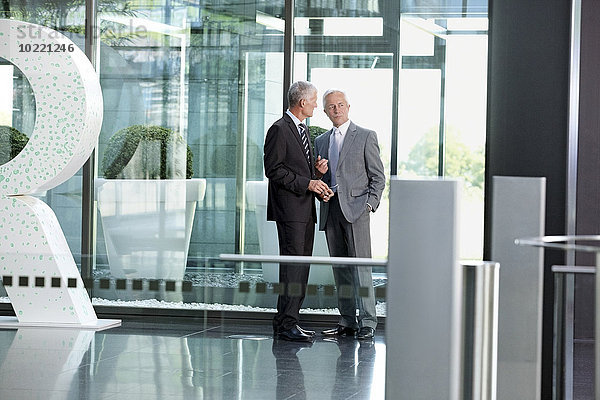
[351, 240]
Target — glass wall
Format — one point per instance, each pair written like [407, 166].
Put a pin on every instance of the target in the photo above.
[442, 108]
[196, 86]
[190, 89]
[346, 49]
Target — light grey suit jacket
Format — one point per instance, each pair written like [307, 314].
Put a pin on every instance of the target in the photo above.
[359, 172]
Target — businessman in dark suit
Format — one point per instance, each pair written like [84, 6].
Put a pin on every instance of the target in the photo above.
[355, 173]
[293, 183]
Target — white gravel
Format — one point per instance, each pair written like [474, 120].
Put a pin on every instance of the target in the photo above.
[153, 303]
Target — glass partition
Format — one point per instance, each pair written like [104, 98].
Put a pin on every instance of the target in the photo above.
[442, 109]
[366, 80]
[347, 48]
[190, 90]
[196, 87]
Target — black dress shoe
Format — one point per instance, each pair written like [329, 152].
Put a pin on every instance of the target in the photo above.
[305, 331]
[365, 333]
[301, 329]
[340, 331]
[293, 334]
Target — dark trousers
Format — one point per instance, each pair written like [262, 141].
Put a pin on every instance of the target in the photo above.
[295, 239]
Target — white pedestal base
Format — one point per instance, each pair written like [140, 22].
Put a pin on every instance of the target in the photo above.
[98, 325]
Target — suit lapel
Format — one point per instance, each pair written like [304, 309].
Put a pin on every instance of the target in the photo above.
[310, 147]
[326, 144]
[350, 136]
[296, 135]
[293, 130]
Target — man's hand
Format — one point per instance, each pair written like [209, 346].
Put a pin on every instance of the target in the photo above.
[328, 195]
[321, 166]
[320, 188]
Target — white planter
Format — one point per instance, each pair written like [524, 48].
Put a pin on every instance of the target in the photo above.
[148, 224]
[256, 195]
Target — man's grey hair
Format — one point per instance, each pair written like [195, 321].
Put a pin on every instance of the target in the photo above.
[330, 91]
[300, 90]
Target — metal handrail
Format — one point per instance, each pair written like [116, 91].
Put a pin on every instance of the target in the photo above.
[573, 269]
[553, 242]
[324, 260]
[563, 325]
[304, 259]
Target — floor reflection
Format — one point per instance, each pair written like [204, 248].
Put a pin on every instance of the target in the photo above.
[43, 359]
[156, 366]
[220, 360]
[290, 378]
[354, 368]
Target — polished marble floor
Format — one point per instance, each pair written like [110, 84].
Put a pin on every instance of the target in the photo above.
[166, 360]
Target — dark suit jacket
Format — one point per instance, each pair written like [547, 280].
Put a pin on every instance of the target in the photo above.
[289, 173]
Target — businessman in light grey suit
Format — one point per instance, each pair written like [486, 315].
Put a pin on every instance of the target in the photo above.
[355, 173]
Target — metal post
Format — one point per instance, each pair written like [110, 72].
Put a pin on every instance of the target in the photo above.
[288, 50]
[564, 373]
[88, 209]
[480, 330]
[597, 332]
[563, 328]
[519, 211]
[423, 292]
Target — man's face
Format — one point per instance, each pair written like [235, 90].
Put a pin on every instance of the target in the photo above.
[309, 104]
[337, 108]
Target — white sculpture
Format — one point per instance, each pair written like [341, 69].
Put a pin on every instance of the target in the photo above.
[69, 112]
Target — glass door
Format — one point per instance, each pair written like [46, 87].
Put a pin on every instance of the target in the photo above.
[352, 49]
[442, 112]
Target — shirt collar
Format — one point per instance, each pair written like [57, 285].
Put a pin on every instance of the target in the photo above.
[293, 117]
[343, 128]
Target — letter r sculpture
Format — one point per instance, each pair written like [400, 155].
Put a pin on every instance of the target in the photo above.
[46, 288]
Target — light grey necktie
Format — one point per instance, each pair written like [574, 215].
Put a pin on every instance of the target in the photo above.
[334, 155]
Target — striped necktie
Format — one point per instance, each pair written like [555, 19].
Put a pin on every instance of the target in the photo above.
[305, 143]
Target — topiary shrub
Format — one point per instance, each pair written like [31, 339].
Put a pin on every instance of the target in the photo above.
[314, 132]
[147, 152]
[11, 143]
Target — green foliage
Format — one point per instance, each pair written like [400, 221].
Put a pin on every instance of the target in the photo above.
[460, 160]
[315, 131]
[123, 145]
[11, 143]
